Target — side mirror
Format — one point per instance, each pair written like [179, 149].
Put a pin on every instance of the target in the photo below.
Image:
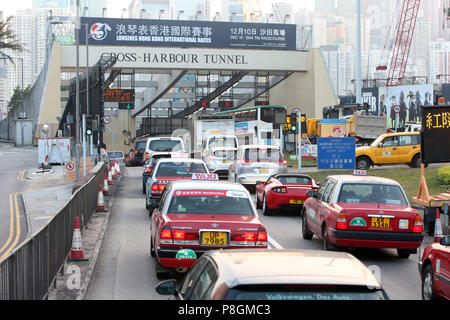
[167, 287]
[258, 183]
[310, 193]
[445, 241]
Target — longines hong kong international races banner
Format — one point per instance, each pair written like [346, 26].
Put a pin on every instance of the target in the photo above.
[406, 100]
[179, 33]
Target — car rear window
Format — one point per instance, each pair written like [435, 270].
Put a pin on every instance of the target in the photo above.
[225, 154]
[303, 292]
[222, 142]
[140, 145]
[180, 169]
[294, 180]
[210, 202]
[263, 154]
[115, 155]
[372, 193]
[165, 145]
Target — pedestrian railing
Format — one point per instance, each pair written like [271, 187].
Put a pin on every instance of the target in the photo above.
[28, 272]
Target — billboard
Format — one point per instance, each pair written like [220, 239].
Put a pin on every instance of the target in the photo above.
[180, 33]
[336, 153]
[370, 96]
[408, 99]
[435, 145]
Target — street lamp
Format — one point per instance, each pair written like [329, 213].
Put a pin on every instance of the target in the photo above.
[197, 14]
[142, 12]
[104, 12]
[180, 12]
[268, 17]
[217, 15]
[161, 12]
[233, 14]
[123, 11]
[288, 16]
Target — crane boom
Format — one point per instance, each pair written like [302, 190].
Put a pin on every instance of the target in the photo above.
[403, 40]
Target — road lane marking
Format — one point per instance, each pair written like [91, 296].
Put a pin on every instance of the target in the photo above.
[274, 244]
[11, 224]
[14, 207]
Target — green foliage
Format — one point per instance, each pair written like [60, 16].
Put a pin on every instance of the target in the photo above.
[17, 97]
[444, 175]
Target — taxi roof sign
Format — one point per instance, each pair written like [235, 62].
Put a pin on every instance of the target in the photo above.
[359, 172]
[205, 176]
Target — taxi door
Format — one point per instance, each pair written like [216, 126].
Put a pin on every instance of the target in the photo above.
[442, 262]
[315, 210]
[386, 151]
[408, 146]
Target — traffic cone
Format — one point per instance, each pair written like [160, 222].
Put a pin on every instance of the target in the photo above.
[105, 186]
[118, 168]
[101, 200]
[110, 177]
[438, 227]
[76, 254]
[113, 171]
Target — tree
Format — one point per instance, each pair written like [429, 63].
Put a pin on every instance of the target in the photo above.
[17, 97]
[8, 40]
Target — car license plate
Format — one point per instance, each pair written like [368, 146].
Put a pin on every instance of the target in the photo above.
[264, 170]
[214, 238]
[225, 161]
[296, 201]
[381, 223]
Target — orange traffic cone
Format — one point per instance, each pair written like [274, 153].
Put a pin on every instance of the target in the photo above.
[105, 186]
[110, 177]
[76, 254]
[438, 227]
[101, 200]
[118, 168]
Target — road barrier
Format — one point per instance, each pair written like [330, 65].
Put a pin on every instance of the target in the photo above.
[29, 271]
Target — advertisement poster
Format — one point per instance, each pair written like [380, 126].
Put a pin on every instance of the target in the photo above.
[409, 100]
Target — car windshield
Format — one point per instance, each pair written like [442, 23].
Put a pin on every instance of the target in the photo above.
[372, 193]
[300, 292]
[180, 169]
[211, 202]
[217, 142]
[115, 155]
[263, 154]
[140, 145]
[226, 154]
[165, 145]
[377, 141]
[294, 180]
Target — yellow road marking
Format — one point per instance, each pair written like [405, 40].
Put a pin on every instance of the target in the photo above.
[11, 224]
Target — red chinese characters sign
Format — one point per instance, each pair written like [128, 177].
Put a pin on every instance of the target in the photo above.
[435, 134]
[119, 95]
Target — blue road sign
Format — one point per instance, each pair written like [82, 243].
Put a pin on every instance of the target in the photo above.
[336, 153]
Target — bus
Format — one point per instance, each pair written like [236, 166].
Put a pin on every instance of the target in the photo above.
[258, 124]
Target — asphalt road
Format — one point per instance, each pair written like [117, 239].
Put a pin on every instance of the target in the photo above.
[125, 269]
[13, 163]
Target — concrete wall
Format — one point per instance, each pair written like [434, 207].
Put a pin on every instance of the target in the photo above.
[309, 91]
[120, 122]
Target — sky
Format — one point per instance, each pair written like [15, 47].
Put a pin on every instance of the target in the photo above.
[115, 6]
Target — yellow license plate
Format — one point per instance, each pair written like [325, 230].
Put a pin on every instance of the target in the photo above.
[264, 171]
[225, 161]
[214, 238]
[379, 222]
[296, 201]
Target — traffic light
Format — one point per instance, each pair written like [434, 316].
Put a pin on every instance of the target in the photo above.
[126, 105]
[226, 105]
[294, 123]
[89, 128]
[303, 129]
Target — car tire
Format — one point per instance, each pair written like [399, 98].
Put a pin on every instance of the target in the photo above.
[150, 211]
[152, 248]
[160, 271]
[403, 253]
[306, 233]
[265, 210]
[327, 246]
[415, 162]
[428, 283]
[363, 163]
[143, 189]
[257, 203]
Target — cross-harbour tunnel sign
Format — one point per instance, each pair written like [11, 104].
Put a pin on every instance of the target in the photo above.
[189, 58]
[177, 33]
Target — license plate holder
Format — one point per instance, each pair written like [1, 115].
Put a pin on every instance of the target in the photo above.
[296, 201]
[380, 223]
[214, 238]
[264, 170]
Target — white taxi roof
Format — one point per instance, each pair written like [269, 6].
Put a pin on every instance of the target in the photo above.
[162, 160]
[363, 179]
[274, 266]
[207, 185]
[250, 146]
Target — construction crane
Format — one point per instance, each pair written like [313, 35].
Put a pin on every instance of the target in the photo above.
[251, 10]
[404, 36]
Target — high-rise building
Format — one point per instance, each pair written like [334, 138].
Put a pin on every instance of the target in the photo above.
[320, 31]
[282, 12]
[346, 8]
[92, 8]
[38, 4]
[325, 7]
[232, 11]
[340, 68]
[150, 9]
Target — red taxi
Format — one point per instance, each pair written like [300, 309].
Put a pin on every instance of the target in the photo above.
[362, 211]
[283, 191]
[434, 269]
[166, 170]
[196, 216]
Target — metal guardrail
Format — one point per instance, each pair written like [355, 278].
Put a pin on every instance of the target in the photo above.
[29, 271]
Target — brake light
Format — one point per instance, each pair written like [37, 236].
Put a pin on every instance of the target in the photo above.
[166, 235]
[280, 190]
[245, 162]
[261, 239]
[249, 236]
[162, 187]
[178, 235]
[418, 225]
[154, 187]
[341, 222]
[147, 155]
[135, 151]
[284, 162]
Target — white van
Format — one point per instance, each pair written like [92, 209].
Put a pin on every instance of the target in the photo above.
[163, 144]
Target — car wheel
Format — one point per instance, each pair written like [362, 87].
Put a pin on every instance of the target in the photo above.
[143, 189]
[428, 283]
[265, 210]
[306, 233]
[257, 203]
[403, 253]
[152, 248]
[150, 211]
[327, 246]
[363, 163]
[415, 163]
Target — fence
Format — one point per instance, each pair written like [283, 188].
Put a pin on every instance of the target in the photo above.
[29, 271]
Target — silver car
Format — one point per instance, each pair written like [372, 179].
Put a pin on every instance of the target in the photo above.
[254, 163]
[220, 159]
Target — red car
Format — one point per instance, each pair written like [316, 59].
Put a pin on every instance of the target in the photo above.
[434, 269]
[283, 191]
[196, 216]
[362, 211]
